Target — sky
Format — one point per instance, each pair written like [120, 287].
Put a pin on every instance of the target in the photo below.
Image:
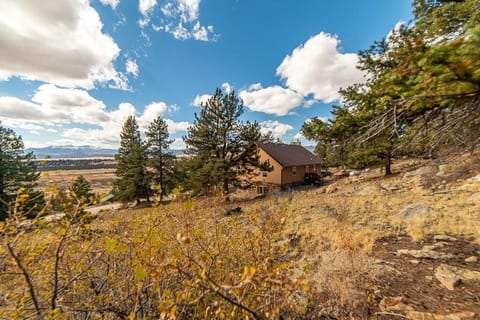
[72, 71]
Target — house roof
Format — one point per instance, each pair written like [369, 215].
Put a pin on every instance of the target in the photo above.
[289, 155]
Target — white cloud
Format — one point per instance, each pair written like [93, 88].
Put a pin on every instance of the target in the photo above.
[178, 144]
[277, 129]
[227, 87]
[61, 44]
[317, 67]
[197, 102]
[131, 67]
[174, 127]
[180, 19]
[111, 3]
[146, 6]
[272, 100]
[85, 119]
[151, 112]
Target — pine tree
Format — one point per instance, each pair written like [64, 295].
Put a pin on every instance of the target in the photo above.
[18, 177]
[223, 147]
[133, 182]
[160, 158]
[81, 190]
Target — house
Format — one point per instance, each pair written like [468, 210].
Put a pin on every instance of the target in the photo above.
[292, 164]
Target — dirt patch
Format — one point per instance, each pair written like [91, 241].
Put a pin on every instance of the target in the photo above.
[415, 280]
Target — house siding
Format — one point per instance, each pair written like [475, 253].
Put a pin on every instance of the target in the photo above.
[274, 176]
[281, 177]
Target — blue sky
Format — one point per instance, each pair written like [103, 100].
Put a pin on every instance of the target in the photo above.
[72, 71]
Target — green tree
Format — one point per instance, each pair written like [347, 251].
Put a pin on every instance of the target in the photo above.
[223, 147]
[81, 190]
[160, 157]
[133, 182]
[18, 177]
[422, 93]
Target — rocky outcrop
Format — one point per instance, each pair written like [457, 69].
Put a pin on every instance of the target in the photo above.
[451, 276]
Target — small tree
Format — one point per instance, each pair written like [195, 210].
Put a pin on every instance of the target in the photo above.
[160, 158]
[133, 182]
[18, 177]
[81, 190]
[223, 147]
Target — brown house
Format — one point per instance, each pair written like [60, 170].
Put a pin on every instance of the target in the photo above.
[291, 164]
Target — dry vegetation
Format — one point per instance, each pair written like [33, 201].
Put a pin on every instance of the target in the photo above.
[100, 179]
[325, 253]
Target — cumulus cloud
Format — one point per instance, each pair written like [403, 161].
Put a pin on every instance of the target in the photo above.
[317, 67]
[111, 3]
[65, 110]
[271, 100]
[180, 18]
[151, 112]
[277, 129]
[178, 144]
[197, 102]
[174, 127]
[61, 44]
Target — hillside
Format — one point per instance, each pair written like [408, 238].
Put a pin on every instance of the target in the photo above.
[364, 247]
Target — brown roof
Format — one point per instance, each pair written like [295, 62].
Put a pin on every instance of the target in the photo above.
[289, 155]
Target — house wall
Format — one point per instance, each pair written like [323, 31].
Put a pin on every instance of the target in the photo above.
[283, 176]
[274, 176]
[289, 178]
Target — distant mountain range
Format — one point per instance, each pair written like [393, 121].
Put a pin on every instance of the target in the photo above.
[65, 152]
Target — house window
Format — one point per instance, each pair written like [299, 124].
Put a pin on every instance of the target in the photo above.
[294, 171]
[306, 169]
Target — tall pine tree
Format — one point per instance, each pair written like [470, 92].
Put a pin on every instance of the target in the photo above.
[223, 147]
[133, 182]
[18, 177]
[160, 157]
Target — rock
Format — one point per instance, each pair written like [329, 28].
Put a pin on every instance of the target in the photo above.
[331, 189]
[471, 259]
[444, 237]
[415, 262]
[450, 276]
[233, 211]
[389, 187]
[417, 315]
[414, 210]
[369, 190]
[354, 173]
[398, 304]
[425, 253]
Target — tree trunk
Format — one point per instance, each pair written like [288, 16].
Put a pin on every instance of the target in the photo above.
[225, 190]
[388, 162]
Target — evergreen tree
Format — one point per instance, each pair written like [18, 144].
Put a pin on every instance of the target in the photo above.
[81, 190]
[160, 158]
[133, 182]
[18, 177]
[223, 147]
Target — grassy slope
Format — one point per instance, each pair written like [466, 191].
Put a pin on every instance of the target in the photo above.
[304, 253]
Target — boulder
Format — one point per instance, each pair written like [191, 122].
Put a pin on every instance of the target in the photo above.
[471, 259]
[444, 237]
[415, 210]
[425, 253]
[451, 276]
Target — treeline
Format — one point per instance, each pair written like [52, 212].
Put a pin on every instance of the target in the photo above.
[421, 95]
[75, 164]
[221, 149]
